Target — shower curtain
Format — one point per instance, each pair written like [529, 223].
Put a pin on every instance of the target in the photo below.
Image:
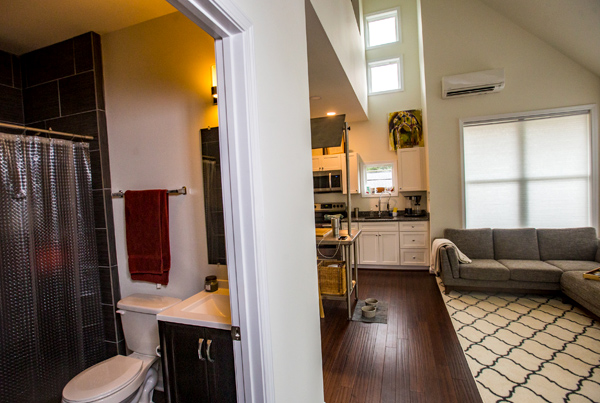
[50, 308]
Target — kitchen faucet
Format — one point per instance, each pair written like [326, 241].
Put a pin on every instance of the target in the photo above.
[388, 202]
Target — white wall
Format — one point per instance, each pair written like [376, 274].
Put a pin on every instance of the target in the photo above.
[461, 36]
[157, 84]
[370, 138]
[285, 158]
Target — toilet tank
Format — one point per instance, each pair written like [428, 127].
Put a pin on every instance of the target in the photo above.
[138, 316]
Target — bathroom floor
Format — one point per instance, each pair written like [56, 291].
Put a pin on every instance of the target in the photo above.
[415, 357]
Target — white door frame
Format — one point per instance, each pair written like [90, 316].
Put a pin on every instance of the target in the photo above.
[242, 191]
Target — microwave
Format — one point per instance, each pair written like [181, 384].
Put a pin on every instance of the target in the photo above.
[327, 181]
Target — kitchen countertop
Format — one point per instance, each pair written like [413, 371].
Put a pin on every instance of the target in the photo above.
[374, 217]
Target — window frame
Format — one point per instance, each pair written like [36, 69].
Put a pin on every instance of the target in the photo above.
[393, 163]
[591, 109]
[381, 15]
[376, 63]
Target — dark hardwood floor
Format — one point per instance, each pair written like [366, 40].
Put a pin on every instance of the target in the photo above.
[415, 357]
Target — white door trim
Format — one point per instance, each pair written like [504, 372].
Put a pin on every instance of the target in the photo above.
[242, 191]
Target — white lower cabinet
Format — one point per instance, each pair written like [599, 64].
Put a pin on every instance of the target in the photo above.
[378, 244]
[414, 243]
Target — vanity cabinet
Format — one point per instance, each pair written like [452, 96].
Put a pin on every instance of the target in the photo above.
[411, 169]
[330, 162]
[197, 363]
[378, 244]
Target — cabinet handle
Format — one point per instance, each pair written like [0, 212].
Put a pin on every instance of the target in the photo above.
[208, 344]
[200, 343]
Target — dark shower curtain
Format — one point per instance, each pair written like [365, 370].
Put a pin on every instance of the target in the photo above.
[50, 312]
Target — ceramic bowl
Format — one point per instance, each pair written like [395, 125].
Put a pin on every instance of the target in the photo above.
[371, 301]
[369, 311]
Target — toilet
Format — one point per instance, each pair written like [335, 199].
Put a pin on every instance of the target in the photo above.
[132, 378]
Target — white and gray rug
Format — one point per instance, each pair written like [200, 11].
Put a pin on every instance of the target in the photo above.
[527, 348]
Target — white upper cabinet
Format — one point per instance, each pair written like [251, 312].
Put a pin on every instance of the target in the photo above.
[327, 162]
[411, 169]
[356, 164]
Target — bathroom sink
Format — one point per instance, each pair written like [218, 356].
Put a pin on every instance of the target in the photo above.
[212, 304]
[207, 309]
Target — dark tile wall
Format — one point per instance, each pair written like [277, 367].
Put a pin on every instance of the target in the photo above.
[11, 94]
[63, 90]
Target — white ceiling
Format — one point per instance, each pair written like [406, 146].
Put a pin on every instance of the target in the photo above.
[572, 27]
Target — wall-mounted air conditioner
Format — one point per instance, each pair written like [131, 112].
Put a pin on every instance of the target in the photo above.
[480, 82]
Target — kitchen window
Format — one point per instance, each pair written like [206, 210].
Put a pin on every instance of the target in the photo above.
[380, 178]
[385, 76]
[537, 169]
[382, 28]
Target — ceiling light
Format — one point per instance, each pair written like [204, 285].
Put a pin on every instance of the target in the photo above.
[331, 113]
[315, 98]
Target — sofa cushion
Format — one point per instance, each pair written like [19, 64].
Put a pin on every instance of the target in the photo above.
[568, 243]
[586, 292]
[532, 270]
[518, 243]
[484, 269]
[574, 265]
[598, 252]
[475, 243]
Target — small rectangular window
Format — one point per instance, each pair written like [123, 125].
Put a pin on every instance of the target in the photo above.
[380, 178]
[385, 76]
[382, 28]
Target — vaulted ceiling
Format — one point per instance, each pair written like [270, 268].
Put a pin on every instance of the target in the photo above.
[571, 27]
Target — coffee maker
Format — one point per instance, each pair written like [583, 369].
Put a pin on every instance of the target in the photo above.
[414, 210]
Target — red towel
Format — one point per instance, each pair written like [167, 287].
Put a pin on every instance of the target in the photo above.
[147, 227]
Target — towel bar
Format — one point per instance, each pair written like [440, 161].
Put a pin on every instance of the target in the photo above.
[174, 192]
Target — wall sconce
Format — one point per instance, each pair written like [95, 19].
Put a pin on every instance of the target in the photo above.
[213, 89]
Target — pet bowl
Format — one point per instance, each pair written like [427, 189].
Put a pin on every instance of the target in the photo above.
[369, 311]
[371, 301]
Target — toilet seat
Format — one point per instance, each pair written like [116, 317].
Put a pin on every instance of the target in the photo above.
[103, 379]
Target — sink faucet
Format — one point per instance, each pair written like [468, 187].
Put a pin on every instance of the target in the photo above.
[389, 194]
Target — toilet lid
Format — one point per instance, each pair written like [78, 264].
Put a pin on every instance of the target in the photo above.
[102, 379]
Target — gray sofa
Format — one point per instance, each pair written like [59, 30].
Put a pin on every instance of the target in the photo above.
[524, 260]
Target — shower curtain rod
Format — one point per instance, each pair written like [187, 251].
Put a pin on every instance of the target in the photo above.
[34, 129]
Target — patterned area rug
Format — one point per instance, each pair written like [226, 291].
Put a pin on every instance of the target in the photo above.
[527, 348]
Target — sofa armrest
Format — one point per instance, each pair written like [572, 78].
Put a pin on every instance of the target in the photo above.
[449, 262]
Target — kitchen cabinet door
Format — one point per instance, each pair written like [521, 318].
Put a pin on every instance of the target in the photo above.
[356, 164]
[316, 163]
[331, 162]
[411, 167]
[388, 248]
[369, 248]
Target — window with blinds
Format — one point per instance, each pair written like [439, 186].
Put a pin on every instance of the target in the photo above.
[533, 170]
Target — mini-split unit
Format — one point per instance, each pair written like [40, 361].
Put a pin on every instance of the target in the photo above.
[480, 82]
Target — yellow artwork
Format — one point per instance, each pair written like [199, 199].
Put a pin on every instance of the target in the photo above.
[405, 129]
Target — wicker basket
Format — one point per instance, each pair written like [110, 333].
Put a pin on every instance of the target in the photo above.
[332, 277]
